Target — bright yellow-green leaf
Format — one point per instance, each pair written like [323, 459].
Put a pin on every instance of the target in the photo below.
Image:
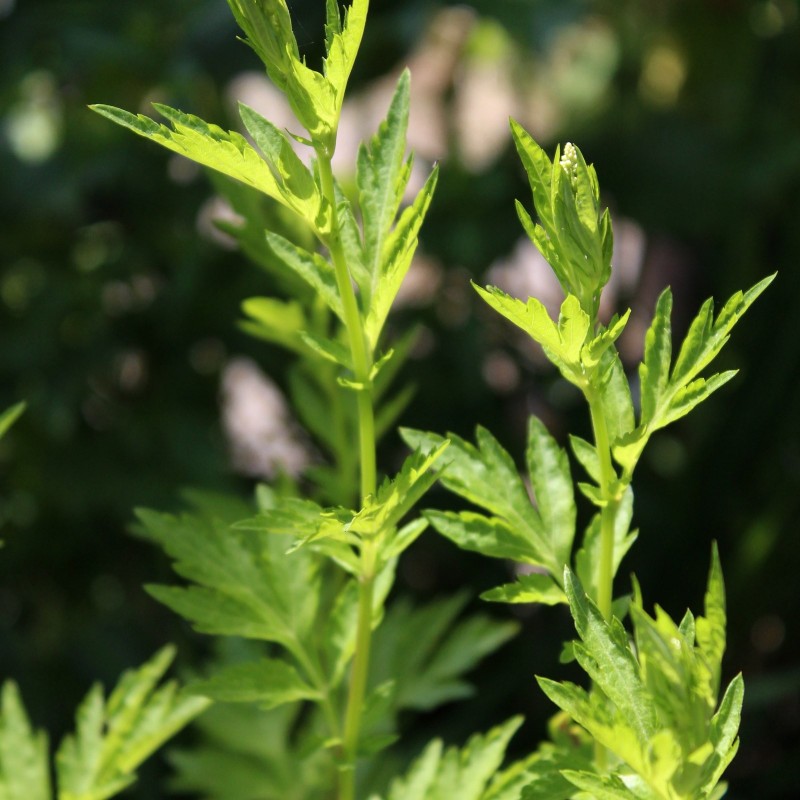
[228, 152]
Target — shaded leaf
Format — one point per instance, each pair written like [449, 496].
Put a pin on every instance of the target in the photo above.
[24, 768]
[531, 588]
[269, 682]
[465, 773]
[601, 787]
[114, 737]
[245, 584]
[277, 321]
[426, 651]
[587, 559]
[711, 626]
[489, 536]
[9, 417]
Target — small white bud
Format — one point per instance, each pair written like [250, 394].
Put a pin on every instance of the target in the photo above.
[569, 162]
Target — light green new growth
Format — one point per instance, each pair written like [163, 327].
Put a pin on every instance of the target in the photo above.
[657, 710]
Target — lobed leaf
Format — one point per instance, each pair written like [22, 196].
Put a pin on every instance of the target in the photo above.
[445, 774]
[489, 536]
[353, 247]
[243, 582]
[425, 651]
[562, 342]
[298, 188]
[225, 151]
[397, 496]
[382, 176]
[569, 747]
[711, 627]
[539, 170]
[488, 477]
[269, 683]
[315, 102]
[398, 251]
[600, 787]
[342, 43]
[654, 369]
[610, 662]
[723, 733]
[587, 559]
[666, 395]
[311, 267]
[593, 350]
[706, 337]
[339, 641]
[586, 453]
[279, 321]
[548, 467]
[615, 395]
[269, 34]
[694, 393]
[113, 737]
[330, 349]
[531, 588]
[246, 752]
[24, 769]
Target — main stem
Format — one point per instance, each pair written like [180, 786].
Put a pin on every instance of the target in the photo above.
[608, 513]
[362, 362]
[362, 366]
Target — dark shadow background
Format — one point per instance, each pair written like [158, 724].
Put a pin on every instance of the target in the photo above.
[117, 316]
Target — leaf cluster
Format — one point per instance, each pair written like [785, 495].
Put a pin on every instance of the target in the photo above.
[573, 235]
[540, 536]
[302, 622]
[315, 97]
[112, 737]
[472, 772]
[653, 712]
[654, 704]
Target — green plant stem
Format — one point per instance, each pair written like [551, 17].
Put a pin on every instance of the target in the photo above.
[358, 676]
[362, 366]
[608, 512]
[355, 333]
[317, 679]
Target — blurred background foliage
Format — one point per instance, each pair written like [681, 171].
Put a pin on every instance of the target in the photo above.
[119, 305]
